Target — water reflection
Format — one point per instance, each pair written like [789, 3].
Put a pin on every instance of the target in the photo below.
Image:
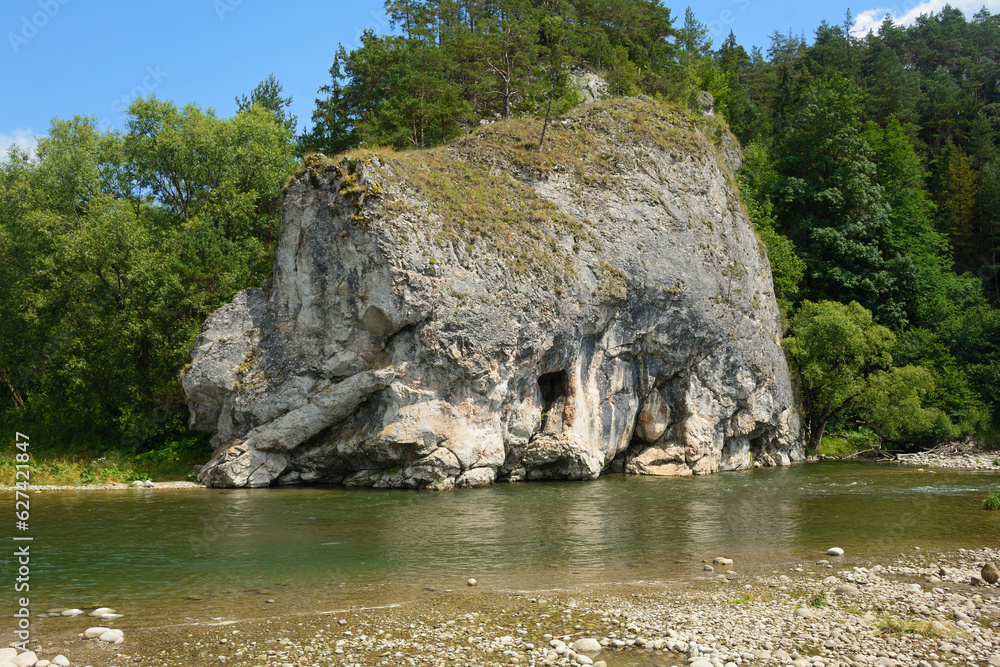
[92, 546]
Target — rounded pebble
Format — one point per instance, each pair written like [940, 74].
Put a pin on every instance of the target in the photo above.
[26, 659]
[113, 637]
[587, 645]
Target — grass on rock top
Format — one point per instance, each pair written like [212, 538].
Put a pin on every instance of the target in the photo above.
[478, 187]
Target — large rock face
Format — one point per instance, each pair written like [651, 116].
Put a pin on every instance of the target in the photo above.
[486, 312]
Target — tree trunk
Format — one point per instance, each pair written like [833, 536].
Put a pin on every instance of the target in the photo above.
[816, 430]
[545, 124]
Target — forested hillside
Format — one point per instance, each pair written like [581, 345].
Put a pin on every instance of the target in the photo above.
[872, 174]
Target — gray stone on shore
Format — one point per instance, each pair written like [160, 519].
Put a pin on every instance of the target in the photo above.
[60, 661]
[137, 483]
[102, 610]
[6, 654]
[835, 551]
[113, 637]
[990, 573]
[7, 663]
[847, 589]
[724, 562]
[587, 645]
[95, 632]
[149, 484]
[26, 659]
[976, 580]
[72, 612]
[110, 616]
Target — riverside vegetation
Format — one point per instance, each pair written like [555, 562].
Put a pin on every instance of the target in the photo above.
[872, 173]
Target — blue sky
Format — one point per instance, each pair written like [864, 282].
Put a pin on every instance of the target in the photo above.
[59, 58]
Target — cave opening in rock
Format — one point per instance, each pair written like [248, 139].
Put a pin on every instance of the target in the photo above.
[553, 387]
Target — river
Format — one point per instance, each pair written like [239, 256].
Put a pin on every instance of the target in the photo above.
[159, 551]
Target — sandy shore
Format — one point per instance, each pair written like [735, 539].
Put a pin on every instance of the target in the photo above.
[918, 609]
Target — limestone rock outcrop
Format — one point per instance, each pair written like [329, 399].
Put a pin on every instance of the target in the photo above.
[484, 312]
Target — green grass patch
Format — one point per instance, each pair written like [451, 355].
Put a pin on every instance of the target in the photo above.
[992, 500]
[818, 600]
[173, 461]
[890, 626]
[748, 598]
[478, 191]
[836, 445]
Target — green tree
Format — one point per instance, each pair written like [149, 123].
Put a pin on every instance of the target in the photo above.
[891, 90]
[918, 255]
[117, 246]
[267, 94]
[988, 204]
[835, 351]
[510, 52]
[334, 119]
[757, 179]
[829, 202]
[957, 203]
[738, 106]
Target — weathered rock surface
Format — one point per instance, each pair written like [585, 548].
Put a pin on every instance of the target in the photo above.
[589, 85]
[483, 312]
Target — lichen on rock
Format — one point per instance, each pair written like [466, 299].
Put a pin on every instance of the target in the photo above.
[484, 312]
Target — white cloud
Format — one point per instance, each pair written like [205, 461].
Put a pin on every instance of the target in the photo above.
[23, 138]
[906, 14]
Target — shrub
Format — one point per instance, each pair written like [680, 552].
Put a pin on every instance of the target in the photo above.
[992, 501]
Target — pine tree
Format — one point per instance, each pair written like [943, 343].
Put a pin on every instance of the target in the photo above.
[957, 204]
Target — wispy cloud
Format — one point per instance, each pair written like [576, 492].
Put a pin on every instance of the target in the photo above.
[907, 14]
[23, 138]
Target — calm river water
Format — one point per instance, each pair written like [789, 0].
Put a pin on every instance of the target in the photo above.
[129, 548]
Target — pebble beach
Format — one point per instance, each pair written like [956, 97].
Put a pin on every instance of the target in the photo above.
[920, 609]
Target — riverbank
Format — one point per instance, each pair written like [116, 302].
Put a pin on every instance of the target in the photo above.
[111, 486]
[97, 467]
[954, 455]
[918, 608]
[959, 456]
